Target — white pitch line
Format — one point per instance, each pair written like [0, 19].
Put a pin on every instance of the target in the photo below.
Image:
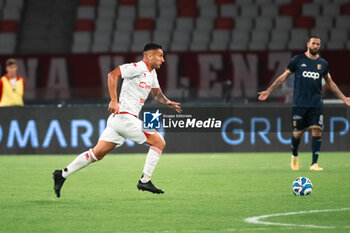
[257, 219]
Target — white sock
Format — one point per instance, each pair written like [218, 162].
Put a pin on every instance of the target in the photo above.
[79, 162]
[151, 161]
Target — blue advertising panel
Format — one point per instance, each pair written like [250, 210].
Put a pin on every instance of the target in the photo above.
[246, 128]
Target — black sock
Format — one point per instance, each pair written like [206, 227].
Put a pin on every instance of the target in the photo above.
[316, 146]
[295, 145]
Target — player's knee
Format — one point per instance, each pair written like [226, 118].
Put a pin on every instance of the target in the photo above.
[297, 134]
[316, 132]
[162, 144]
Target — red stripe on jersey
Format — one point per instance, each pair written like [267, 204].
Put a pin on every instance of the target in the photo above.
[128, 113]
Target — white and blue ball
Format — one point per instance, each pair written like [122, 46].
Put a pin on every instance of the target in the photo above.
[302, 186]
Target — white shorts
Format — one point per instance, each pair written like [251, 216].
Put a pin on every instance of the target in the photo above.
[125, 126]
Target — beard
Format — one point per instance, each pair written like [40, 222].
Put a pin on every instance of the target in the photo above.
[313, 52]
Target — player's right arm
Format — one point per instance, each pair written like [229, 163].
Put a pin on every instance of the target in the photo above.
[113, 78]
[263, 95]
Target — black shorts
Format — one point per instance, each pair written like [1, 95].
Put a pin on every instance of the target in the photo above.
[304, 117]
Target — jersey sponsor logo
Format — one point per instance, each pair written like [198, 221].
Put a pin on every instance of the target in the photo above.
[303, 65]
[310, 74]
[144, 85]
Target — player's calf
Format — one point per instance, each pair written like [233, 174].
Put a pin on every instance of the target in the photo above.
[103, 148]
[294, 146]
[316, 132]
[152, 159]
[156, 140]
[157, 145]
[81, 161]
[78, 163]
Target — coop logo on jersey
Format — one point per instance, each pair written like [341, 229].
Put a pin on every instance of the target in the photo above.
[151, 120]
[309, 74]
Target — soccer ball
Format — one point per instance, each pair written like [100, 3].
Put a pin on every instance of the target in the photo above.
[302, 186]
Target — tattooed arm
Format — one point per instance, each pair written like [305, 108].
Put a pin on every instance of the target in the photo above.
[160, 97]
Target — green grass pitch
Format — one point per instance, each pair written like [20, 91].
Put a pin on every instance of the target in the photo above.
[203, 193]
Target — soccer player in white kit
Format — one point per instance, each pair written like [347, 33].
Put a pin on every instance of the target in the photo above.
[139, 79]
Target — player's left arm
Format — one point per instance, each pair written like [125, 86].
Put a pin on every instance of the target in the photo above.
[334, 88]
[160, 97]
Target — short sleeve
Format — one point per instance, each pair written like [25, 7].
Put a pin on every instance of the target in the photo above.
[292, 64]
[129, 70]
[326, 70]
[155, 83]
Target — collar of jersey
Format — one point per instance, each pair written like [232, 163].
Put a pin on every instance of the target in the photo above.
[146, 65]
[311, 58]
[8, 78]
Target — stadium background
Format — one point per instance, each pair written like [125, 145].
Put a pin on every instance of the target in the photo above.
[219, 54]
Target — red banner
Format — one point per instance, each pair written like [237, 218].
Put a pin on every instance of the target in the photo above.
[189, 73]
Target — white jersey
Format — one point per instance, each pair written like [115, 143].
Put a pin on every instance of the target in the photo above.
[137, 84]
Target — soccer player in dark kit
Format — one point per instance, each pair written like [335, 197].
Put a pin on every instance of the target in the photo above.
[309, 69]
